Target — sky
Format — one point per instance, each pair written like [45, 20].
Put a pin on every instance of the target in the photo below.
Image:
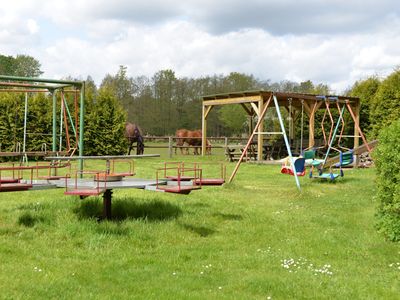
[332, 42]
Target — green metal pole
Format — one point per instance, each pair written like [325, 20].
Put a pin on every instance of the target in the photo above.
[81, 125]
[25, 157]
[334, 135]
[54, 146]
[35, 79]
[61, 120]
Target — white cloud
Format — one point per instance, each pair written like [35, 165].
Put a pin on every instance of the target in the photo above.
[33, 27]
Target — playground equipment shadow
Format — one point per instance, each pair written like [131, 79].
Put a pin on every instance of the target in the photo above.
[129, 208]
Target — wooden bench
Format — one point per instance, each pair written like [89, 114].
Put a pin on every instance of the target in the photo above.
[234, 152]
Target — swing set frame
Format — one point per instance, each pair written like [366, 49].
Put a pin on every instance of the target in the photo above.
[16, 84]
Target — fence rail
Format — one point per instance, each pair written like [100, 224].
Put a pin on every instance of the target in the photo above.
[222, 142]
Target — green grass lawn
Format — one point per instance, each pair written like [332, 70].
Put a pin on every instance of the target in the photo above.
[257, 238]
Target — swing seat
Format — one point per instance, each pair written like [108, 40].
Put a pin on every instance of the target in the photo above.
[327, 176]
[346, 159]
[309, 156]
[299, 166]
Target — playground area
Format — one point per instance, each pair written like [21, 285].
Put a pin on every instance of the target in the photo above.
[218, 242]
[169, 225]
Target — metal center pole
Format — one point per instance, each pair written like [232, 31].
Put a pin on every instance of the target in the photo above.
[25, 158]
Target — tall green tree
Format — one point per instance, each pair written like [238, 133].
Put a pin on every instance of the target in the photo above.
[28, 66]
[11, 120]
[366, 91]
[105, 128]
[121, 86]
[385, 107]
[233, 116]
[21, 65]
[6, 65]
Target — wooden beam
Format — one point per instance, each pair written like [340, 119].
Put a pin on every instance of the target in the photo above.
[357, 129]
[311, 120]
[260, 138]
[255, 108]
[207, 110]
[307, 107]
[256, 129]
[204, 129]
[238, 100]
[248, 110]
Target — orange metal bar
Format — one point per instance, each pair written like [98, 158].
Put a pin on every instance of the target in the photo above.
[357, 126]
[65, 122]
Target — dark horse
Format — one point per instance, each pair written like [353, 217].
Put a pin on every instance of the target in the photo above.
[134, 134]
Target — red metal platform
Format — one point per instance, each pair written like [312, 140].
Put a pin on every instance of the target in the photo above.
[209, 181]
[14, 187]
[84, 192]
[181, 178]
[9, 180]
[186, 189]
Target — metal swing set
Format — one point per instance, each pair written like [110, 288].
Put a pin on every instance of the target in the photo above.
[345, 157]
[67, 120]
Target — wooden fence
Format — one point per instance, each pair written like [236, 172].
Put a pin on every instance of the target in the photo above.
[169, 142]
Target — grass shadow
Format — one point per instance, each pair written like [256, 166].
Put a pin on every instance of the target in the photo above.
[129, 208]
[228, 217]
[29, 219]
[202, 231]
[198, 204]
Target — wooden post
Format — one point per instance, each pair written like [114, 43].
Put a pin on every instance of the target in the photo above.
[311, 122]
[203, 131]
[170, 147]
[292, 116]
[206, 111]
[356, 124]
[356, 132]
[260, 138]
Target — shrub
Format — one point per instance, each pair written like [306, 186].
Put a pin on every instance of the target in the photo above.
[387, 159]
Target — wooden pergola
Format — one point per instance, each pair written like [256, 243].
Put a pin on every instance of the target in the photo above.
[253, 103]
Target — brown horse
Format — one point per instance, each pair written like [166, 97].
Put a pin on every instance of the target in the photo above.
[181, 135]
[134, 134]
[191, 138]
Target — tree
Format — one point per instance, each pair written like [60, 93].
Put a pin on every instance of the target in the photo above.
[105, 127]
[21, 65]
[366, 91]
[165, 96]
[233, 116]
[6, 65]
[27, 66]
[385, 104]
[120, 85]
